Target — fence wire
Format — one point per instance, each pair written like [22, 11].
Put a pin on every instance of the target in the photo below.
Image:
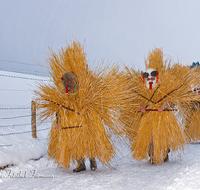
[22, 124]
[22, 116]
[15, 108]
[8, 134]
[15, 117]
[26, 78]
[19, 133]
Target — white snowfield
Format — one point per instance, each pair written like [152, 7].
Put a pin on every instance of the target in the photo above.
[16, 142]
[33, 170]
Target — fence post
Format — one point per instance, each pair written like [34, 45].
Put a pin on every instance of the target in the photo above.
[33, 119]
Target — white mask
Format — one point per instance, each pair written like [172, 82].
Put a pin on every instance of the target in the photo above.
[197, 90]
[150, 77]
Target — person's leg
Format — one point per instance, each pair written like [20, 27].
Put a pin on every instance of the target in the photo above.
[166, 159]
[151, 153]
[93, 164]
[80, 165]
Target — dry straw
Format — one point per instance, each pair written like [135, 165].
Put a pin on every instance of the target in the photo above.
[192, 124]
[88, 119]
[193, 117]
[164, 129]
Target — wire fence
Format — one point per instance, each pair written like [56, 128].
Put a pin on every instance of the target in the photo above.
[22, 124]
[14, 125]
[15, 108]
[23, 78]
[34, 71]
[9, 61]
[15, 117]
[19, 133]
[20, 116]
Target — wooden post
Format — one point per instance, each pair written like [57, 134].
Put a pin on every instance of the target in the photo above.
[33, 119]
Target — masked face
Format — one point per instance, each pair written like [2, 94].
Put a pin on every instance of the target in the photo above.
[198, 90]
[70, 82]
[150, 77]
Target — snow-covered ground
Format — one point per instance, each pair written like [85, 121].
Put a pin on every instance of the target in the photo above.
[31, 168]
[125, 174]
[16, 142]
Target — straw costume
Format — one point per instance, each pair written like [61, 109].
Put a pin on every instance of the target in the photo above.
[151, 123]
[192, 125]
[84, 102]
[193, 117]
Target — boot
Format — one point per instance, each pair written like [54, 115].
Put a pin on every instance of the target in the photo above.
[81, 166]
[93, 164]
[151, 156]
[151, 160]
[166, 159]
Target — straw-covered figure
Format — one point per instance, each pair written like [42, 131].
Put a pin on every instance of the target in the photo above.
[193, 114]
[85, 102]
[153, 117]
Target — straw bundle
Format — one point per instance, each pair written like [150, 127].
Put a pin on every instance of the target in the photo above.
[192, 124]
[192, 119]
[87, 119]
[162, 129]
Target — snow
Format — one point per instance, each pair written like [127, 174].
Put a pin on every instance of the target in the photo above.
[113, 30]
[16, 142]
[30, 167]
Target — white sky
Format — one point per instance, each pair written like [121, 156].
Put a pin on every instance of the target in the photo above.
[113, 30]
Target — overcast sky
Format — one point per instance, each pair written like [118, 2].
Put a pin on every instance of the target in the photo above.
[112, 30]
